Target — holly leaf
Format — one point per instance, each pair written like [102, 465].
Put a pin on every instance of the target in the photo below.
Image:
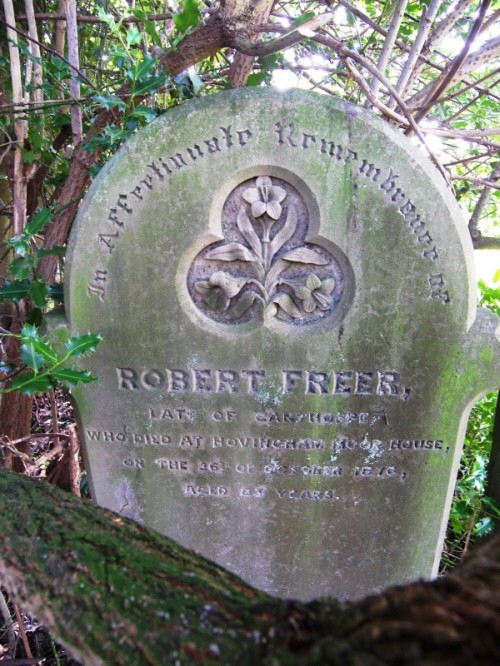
[39, 221]
[30, 336]
[73, 377]
[29, 383]
[21, 244]
[31, 357]
[190, 16]
[14, 291]
[54, 251]
[21, 267]
[81, 344]
[39, 292]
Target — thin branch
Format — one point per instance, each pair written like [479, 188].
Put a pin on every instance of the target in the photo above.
[46, 48]
[343, 52]
[485, 242]
[483, 199]
[383, 60]
[439, 32]
[428, 16]
[295, 35]
[35, 51]
[478, 181]
[74, 85]
[19, 186]
[446, 79]
[85, 18]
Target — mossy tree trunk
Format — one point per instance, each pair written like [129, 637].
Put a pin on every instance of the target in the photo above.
[114, 592]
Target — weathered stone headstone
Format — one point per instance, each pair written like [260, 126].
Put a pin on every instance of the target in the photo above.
[285, 289]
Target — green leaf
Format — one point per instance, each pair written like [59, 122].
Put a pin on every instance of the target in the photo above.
[29, 383]
[133, 35]
[72, 377]
[38, 344]
[39, 221]
[21, 267]
[56, 292]
[7, 368]
[81, 344]
[31, 357]
[54, 251]
[14, 291]
[35, 317]
[21, 244]
[306, 16]
[257, 78]
[39, 293]
[145, 112]
[108, 101]
[190, 15]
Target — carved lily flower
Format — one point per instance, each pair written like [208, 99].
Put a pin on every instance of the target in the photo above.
[265, 198]
[316, 293]
[219, 289]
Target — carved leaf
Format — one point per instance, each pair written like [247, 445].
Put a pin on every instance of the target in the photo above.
[287, 304]
[231, 252]
[202, 287]
[313, 282]
[246, 228]
[306, 256]
[286, 232]
[242, 305]
[273, 209]
[228, 284]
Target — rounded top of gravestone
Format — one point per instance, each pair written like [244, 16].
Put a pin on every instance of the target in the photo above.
[291, 211]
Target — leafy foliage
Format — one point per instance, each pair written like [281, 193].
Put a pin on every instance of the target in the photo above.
[43, 367]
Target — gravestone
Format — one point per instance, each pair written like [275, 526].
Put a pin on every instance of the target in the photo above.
[285, 289]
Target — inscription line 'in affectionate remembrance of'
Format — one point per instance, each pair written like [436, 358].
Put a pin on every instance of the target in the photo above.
[297, 299]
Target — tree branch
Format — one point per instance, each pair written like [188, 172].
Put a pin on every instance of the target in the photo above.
[143, 599]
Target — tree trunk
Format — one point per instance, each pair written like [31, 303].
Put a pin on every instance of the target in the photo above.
[114, 592]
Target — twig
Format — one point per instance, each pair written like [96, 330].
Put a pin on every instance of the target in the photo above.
[428, 16]
[48, 49]
[74, 85]
[7, 619]
[388, 44]
[74, 463]
[483, 200]
[19, 186]
[478, 181]
[445, 80]
[22, 630]
[85, 18]
[35, 435]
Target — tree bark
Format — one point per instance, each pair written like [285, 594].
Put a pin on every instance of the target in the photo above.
[114, 592]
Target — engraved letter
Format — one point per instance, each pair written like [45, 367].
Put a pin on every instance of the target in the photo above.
[369, 170]
[201, 381]
[254, 385]
[213, 145]
[388, 383]
[156, 171]
[317, 382]
[390, 183]
[113, 217]
[122, 203]
[242, 134]
[290, 379]
[179, 380]
[436, 282]
[191, 152]
[152, 379]
[226, 131]
[105, 240]
[127, 379]
[227, 381]
[340, 385]
[308, 139]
